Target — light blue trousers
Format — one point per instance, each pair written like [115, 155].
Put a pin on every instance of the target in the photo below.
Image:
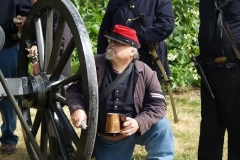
[8, 66]
[158, 142]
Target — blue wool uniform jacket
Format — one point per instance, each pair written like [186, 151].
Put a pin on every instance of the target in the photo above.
[149, 101]
[212, 39]
[10, 9]
[156, 25]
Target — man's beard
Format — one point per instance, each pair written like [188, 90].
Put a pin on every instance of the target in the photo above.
[110, 53]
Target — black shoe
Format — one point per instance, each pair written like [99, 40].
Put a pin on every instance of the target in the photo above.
[8, 148]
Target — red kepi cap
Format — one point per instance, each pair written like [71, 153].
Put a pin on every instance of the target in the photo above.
[124, 35]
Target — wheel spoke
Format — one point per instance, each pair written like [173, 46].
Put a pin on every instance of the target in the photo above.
[56, 137]
[48, 37]
[62, 61]
[40, 41]
[56, 45]
[44, 133]
[66, 124]
[36, 123]
[27, 117]
[56, 86]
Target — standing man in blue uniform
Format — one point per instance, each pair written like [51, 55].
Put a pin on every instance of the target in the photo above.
[8, 65]
[153, 21]
[222, 69]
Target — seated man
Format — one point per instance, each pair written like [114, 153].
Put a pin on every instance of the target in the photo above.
[138, 97]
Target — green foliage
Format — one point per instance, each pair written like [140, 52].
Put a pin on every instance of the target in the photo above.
[181, 44]
[91, 13]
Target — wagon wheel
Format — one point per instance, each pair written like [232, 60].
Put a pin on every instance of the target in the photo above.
[45, 99]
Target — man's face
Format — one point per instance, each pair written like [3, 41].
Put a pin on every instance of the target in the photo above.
[114, 48]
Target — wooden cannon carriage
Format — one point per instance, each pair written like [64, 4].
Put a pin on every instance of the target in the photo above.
[43, 92]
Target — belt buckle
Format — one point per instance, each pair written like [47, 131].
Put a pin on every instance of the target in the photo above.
[220, 59]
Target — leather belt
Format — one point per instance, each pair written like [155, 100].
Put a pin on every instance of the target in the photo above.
[219, 60]
[117, 137]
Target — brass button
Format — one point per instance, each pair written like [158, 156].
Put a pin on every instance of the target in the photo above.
[132, 6]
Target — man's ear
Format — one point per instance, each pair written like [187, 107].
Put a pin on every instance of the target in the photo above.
[132, 52]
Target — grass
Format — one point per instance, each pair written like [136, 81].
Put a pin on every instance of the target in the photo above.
[186, 131]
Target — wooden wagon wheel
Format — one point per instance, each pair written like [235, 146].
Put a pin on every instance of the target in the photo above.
[45, 100]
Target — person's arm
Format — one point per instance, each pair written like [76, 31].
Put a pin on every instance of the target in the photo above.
[161, 28]
[153, 109]
[154, 106]
[105, 28]
[33, 55]
[74, 96]
[74, 99]
[23, 7]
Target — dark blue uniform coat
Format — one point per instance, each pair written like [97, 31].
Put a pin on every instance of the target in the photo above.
[222, 112]
[212, 39]
[156, 25]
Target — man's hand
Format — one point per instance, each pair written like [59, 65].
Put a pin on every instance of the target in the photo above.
[33, 54]
[130, 126]
[19, 21]
[33, 51]
[79, 118]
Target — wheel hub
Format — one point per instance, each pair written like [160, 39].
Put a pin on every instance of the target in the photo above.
[38, 87]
